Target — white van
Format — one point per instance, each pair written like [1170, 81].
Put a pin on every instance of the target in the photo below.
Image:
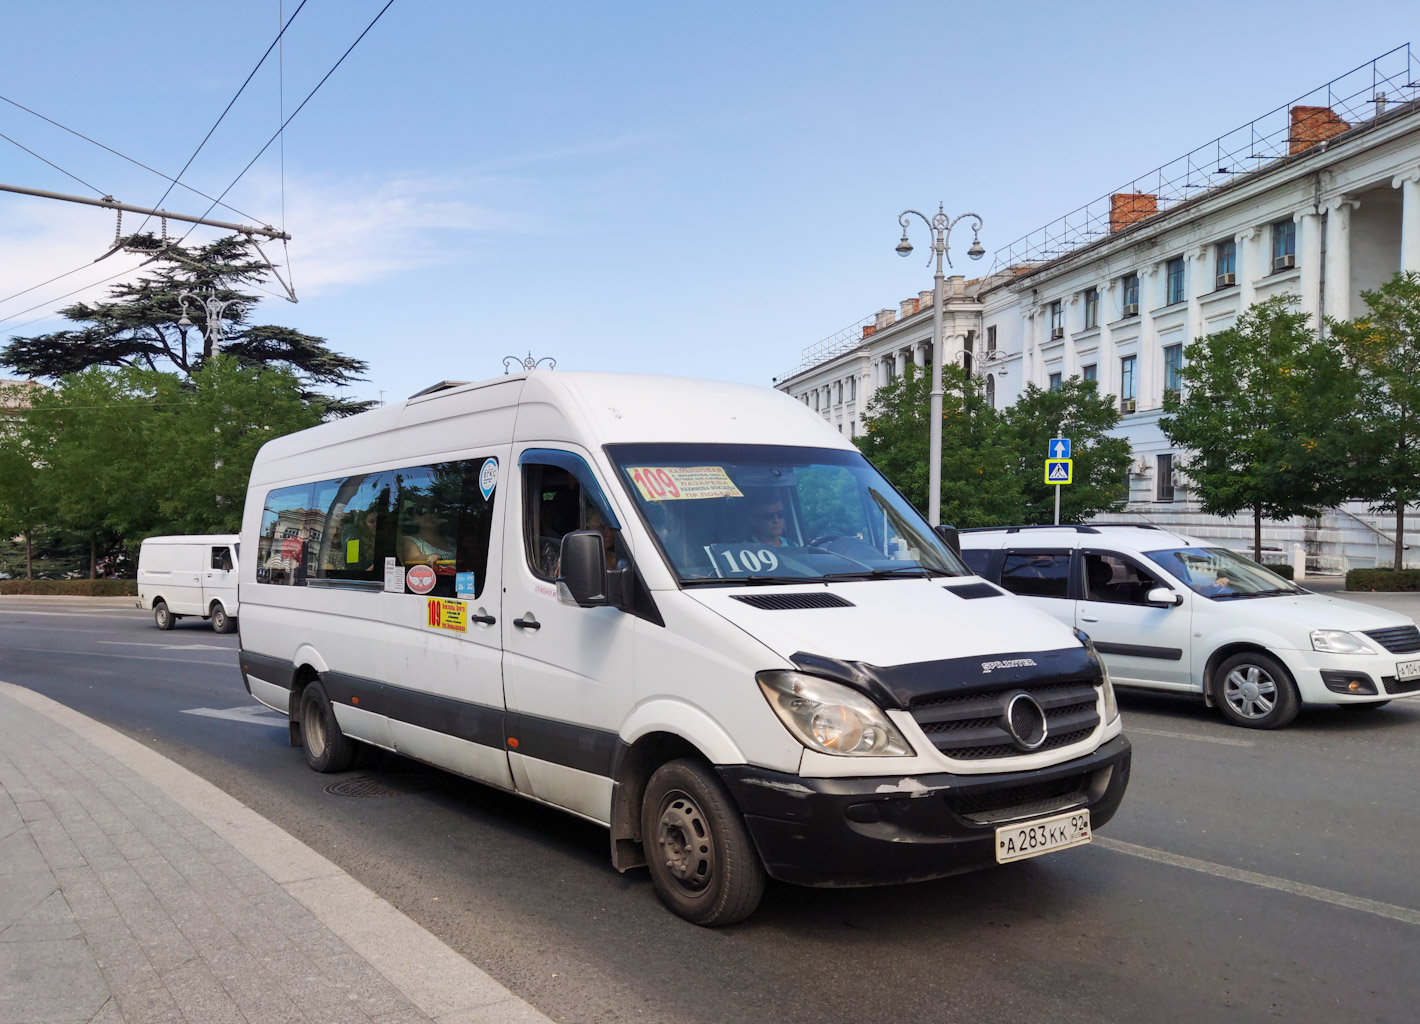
[194, 575]
[689, 611]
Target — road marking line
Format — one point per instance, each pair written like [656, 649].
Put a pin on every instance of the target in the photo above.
[255, 715]
[110, 654]
[1310, 892]
[168, 647]
[1227, 742]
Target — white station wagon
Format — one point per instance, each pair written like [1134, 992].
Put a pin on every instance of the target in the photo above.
[1171, 612]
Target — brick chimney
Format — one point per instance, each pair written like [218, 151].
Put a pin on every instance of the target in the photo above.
[924, 299]
[885, 318]
[906, 308]
[1311, 125]
[1127, 208]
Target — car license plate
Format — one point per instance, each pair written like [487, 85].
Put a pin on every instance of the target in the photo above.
[1407, 669]
[1045, 835]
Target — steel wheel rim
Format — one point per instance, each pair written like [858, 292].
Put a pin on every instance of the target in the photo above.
[219, 619]
[685, 843]
[1250, 691]
[163, 614]
[315, 730]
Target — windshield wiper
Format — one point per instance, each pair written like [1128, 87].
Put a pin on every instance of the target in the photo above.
[751, 580]
[916, 571]
[1256, 593]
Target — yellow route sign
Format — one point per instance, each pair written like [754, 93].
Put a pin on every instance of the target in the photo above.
[1059, 471]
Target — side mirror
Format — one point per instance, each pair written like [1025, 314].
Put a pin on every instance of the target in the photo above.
[1165, 597]
[583, 579]
[951, 536]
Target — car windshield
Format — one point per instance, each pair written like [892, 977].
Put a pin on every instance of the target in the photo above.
[1222, 574]
[774, 514]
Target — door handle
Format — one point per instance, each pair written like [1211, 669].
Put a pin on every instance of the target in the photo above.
[1089, 618]
[527, 623]
[486, 620]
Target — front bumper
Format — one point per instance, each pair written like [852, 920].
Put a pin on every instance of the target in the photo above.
[1307, 668]
[887, 829]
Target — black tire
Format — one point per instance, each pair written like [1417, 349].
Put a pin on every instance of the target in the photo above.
[221, 621]
[1374, 705]
[327, 748]
[163, 618]
[1254, 690]
[703, 864]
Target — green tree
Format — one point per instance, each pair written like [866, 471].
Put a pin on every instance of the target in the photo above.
[1382, 348]
[1264, 416]
[1099, 462]
[22, 508]
[204, 435]
[980, 486]
[140, 326]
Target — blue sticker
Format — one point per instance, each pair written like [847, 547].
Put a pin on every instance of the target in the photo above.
[488, 478]
[465, 584]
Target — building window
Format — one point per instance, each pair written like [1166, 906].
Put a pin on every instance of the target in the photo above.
[1174, 269]
[1226, 266]
[1127, 395]
[968, 344]
[1131, 295]
[1164, 487]
[1090, 371]
[991, 338]
[1092, 309]
[1055, 383]
[991, 390]
[1284, 245]
[1173, 362]
[1057, 320]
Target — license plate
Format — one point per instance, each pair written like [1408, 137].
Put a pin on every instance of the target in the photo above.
[1407, 669]
[1044, 835]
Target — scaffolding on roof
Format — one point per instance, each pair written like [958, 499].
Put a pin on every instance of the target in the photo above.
[1360, 96]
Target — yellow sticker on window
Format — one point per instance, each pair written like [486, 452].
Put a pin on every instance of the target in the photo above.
[681, 483]
[447, 614]
[352, 552]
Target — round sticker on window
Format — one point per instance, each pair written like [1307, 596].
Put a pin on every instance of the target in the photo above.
[488, 478]
[420, 578]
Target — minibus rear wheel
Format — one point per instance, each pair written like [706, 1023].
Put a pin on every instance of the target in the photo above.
[163, 617]
[327, 749]
[702, 862]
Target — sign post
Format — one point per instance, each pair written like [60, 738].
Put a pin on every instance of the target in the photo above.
[1059, 469]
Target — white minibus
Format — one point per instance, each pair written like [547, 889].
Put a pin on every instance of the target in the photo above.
[193, 575]
[689, 611]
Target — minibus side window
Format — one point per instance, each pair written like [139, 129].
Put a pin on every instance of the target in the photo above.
[560, 496]
[287, 524]
[359, 528]
[444, 522]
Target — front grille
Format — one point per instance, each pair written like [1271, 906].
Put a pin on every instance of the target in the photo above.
[1017, 801]
[792, 602]
[1397, 639]
[970, 726]
[1393, 685]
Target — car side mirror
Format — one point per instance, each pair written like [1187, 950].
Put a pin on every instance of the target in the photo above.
[1165, 597]
[951, 536]
[583, 579]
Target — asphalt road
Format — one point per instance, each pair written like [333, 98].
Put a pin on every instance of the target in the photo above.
[1248, 876]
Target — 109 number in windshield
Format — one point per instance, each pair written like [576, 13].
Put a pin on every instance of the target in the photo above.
[742, 560]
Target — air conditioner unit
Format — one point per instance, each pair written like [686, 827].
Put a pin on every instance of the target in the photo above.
[1056, 333]
[1131, 309]
[1224, 280]
[1284, 262]
[1128, 404]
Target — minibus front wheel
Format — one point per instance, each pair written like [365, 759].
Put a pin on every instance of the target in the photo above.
[703, 864]
[327, 749]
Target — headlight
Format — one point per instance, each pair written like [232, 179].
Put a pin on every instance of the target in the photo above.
[830, 717]
[1338, 641]
[1111, 706]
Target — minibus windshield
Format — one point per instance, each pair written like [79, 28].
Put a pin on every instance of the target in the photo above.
[777, 514]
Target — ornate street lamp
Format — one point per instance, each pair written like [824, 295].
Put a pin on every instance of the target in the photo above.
[214, 308]
[941, 227]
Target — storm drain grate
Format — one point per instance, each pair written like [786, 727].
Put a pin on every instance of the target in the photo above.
[364, 786]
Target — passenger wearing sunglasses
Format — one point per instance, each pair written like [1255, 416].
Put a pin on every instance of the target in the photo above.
[767, 523]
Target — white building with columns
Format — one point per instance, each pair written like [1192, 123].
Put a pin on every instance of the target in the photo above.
[1319, 200]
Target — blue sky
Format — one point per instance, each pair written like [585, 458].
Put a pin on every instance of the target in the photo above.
[671, 188]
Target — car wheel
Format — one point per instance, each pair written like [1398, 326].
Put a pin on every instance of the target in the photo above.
[1254, 690]
[221, 621]
[162, 617]
[702, 862]
[327, 748]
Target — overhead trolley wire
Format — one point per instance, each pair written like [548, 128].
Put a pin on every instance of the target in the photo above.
[101, 193]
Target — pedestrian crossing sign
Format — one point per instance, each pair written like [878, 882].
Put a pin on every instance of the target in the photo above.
[1059, 471]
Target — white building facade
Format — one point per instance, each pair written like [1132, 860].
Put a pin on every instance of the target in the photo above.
[1116, 290]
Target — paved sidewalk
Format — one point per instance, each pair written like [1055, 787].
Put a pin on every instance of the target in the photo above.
[134, 891]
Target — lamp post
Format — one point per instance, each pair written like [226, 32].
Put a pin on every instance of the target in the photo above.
[214, 308]
[941, 227]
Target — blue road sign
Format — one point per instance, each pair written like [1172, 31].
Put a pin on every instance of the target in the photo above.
[1059, 471]
[1058, 448]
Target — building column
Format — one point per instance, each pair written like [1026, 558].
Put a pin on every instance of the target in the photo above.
[1197, 274]
[1247, 266]
[1104, 355]
[1151, 296]
[1309, 258]
[1409, 185]
[900, 363]
[1336, 298]
[919, 354]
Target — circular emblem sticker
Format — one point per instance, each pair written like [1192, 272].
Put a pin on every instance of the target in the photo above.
[420, 578]
[488, 478]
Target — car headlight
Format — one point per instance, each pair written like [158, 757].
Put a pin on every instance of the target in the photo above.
[1111, 706]
[830, 717]
[1338, 641]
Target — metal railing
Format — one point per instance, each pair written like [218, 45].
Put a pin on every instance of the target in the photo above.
[1361, 95]
[834, 345]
